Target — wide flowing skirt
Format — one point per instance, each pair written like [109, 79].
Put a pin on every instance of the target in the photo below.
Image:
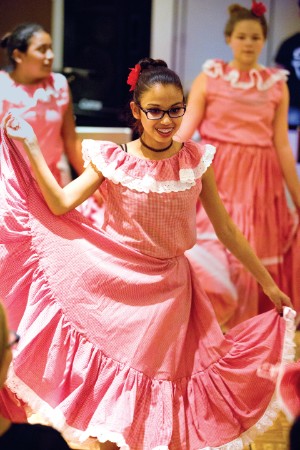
[252, 188]
[121, 346]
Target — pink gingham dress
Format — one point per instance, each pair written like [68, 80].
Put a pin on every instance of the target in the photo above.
[43, 105]
[239, 118]
[119, 341]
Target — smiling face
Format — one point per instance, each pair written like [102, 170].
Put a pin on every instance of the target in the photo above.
[158, 133]
[246, 42]
[36, 63]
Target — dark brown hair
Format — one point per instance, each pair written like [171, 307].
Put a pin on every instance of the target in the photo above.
[19, 38]
[237, 13]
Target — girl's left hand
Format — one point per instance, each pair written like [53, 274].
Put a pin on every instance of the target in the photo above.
[17, 128]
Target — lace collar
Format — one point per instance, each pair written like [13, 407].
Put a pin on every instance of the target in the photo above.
[262, 79]
[177, 173]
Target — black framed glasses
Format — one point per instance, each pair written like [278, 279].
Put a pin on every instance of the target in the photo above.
[13, 339]
[157, 114]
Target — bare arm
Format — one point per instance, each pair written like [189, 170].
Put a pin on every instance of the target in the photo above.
[284, 152]
[72, 144]
[60, 200]
[73, 148]
[228, 233]
[195, 109]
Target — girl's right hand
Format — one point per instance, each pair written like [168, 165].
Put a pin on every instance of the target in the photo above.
[17, 128]
[279, 298]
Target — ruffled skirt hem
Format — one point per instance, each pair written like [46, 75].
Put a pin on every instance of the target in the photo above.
[102, 433]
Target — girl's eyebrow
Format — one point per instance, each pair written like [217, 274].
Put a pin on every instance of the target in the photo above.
[158, 106]
[241, 33]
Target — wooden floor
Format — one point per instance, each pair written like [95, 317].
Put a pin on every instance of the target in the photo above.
[276, 438]
[86, 447]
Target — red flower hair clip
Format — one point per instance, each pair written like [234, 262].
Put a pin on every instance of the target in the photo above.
[133, 76]
[258, 9]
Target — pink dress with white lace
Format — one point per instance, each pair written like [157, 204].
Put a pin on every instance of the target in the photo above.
[43, 105]
[240, 110]
[118, 339]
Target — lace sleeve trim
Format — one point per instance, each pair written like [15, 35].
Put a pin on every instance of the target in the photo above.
[126, 176]
[215, 68]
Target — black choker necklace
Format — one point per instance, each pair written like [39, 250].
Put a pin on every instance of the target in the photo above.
[155, 149]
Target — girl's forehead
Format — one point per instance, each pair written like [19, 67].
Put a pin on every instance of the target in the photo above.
[162, 93]
[252, 26]
[40, 37]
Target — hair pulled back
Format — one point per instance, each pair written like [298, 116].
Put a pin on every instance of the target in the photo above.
[237, 13]
[19, 38]
[154, 71]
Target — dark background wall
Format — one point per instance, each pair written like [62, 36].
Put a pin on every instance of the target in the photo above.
[102, 39]
[13, 12]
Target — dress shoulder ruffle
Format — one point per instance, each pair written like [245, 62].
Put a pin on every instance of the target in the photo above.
[28, 96]
[262, 79]
[177, 173]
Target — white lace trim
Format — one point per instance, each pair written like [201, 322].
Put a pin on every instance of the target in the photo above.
[214, 68]
[19, 96]
[187, 177]
[55, 418]
[271, 413]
